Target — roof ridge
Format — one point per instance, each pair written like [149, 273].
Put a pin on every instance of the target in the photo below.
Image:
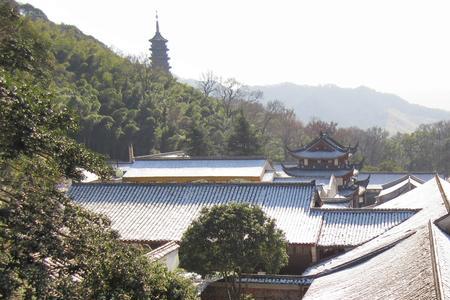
[311, 184]
[443, 195]
[436, 270]
[205, 158]
[364, 257]
[395, 172]
[387, 209]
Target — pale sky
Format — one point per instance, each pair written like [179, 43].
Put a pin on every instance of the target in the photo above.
[393, 46]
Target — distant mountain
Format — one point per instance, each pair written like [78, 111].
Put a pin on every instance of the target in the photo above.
[362, 106]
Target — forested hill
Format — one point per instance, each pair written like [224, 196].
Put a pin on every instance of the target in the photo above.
[119, 100]
[361, 107]
[122, 100]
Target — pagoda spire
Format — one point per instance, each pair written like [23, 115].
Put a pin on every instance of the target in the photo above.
[157, 23]
[159, 57]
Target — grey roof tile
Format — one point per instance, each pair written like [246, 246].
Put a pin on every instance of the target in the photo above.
[402, 272]
[162, 212]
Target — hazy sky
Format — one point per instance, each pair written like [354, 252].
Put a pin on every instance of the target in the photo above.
[400, 47]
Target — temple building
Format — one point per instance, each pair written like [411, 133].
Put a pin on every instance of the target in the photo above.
[159, 57]
[328, 163]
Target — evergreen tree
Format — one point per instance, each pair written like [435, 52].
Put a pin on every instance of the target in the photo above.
[243, 139]
[197, 144]
[233, 239]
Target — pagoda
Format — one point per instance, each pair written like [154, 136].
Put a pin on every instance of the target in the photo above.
[327, 161]
[323, 157]
[159, 58]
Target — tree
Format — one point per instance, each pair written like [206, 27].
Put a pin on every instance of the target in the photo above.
[49, 246]
[231, 240]
[208, 83]
[230, 92]
[197, 144]
[243, 139]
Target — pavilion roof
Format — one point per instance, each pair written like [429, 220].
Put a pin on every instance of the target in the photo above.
[336, 150]
[296, 171]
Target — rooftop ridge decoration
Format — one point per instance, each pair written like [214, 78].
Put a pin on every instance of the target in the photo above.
[328, 140]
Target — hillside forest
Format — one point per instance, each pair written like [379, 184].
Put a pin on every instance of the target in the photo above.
[120, 100]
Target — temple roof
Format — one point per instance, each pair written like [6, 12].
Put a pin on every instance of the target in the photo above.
[430, 198]
[162, 212]
[335, 149]
[197, 168]
[405, 271]
[379, 180]
[296, 171]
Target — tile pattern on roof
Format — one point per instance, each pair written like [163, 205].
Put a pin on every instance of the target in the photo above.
[162, 251]
[402, 272]
[197, 168]
[442, 248]
[350, 228]
[427, 198]
[277, 279]
[381, 178]
[162, 212]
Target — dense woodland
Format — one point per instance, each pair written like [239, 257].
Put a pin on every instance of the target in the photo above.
[121, 100]
[51, 248]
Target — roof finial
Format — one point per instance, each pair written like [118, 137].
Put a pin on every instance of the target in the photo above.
[157, 23]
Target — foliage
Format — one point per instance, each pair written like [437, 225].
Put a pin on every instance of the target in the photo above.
[243, 139]
[121, 101]
[231, 240]
[50, 247]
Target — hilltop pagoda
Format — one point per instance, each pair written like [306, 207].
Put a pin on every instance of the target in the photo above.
[159, 57]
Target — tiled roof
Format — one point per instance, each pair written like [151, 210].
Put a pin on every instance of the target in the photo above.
[337, 148]
[392, 191]
[404, 271]
[276, 279]
[442, 256]
[196, 168]
[427, 198]
[162, 212]
[353, 227]
[318, 180]
[324, 173]
[162, 251]
[382, 178]
[318, 154]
